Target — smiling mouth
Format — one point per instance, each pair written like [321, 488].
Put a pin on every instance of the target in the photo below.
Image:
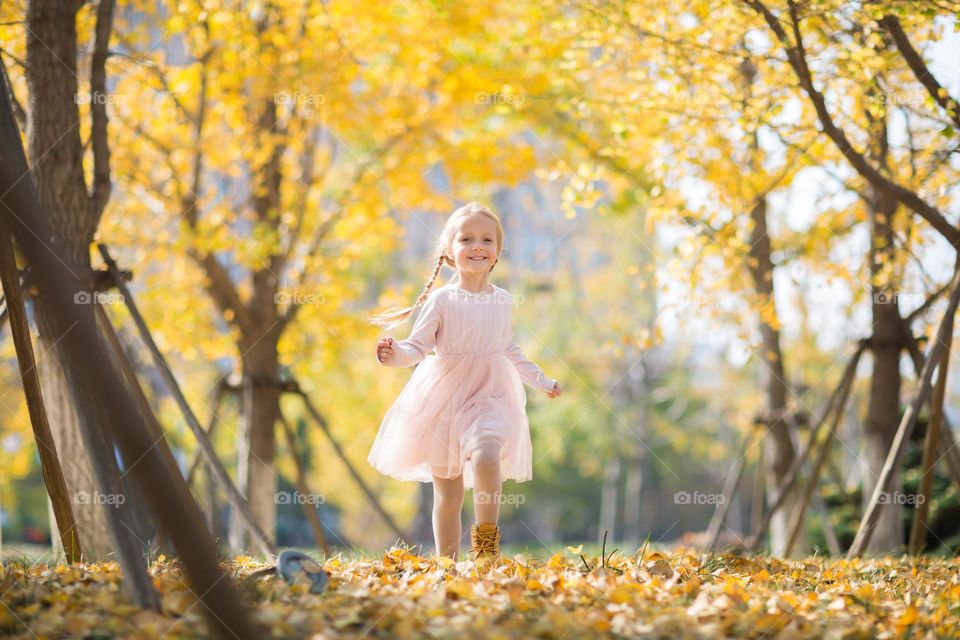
[477, 258]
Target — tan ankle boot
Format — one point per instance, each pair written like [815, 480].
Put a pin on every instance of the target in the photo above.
[485, 545]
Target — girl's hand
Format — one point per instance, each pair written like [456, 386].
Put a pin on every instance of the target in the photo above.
[553, 393]
[385, 350]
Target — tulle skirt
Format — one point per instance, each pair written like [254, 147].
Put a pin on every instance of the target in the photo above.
[451, 403]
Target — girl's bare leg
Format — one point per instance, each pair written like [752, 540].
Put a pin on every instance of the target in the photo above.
[447, 504]
[486, 483]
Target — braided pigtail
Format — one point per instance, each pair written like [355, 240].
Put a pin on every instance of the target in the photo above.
[396, 315]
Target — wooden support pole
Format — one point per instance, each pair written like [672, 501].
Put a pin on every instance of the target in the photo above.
[794, 472]
[796, 518]
[948, 447]
[237, 501]
[211, 429]
[905, 429]
[46, 447]
[322, 423]
[154, 428]
[918, 530]
[95, 380]
[730, 484]
[833, 543]
[309, 510]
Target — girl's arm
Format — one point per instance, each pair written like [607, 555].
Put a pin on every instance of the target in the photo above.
[423, 337]
[529, 372]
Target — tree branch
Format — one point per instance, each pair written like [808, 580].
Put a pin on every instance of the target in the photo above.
[327, 224]
[98, 109]
[18, 110]
[920, 70]
[797, 59]
[221, 289]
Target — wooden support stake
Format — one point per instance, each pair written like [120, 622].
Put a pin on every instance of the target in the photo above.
[948, 446]
[918, 530]
[46, 447]
[905, 429]
[796, 518]
[794, 472]
[309, 509]
[211, 429]
[734, 475]
[322, 423]
[237, 501]
[150, 419]
[833, 543]
[96, 381]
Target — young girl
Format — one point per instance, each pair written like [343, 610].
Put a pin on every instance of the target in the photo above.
[460, 421]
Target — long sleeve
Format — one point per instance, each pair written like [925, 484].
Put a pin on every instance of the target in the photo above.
[423, 337]
[529, 372]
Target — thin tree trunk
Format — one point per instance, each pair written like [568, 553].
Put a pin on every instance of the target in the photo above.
[778, 448]
[635, 461]
[883, 412]
[636, 387]
[256, 444]
[609, 498]
[256, 439]
[54, 146]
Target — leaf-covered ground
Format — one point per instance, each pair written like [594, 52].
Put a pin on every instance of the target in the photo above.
[399, 594]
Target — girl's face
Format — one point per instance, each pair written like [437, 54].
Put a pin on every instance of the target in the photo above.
[474, 245]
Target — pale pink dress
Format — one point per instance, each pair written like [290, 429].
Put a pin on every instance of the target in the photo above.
[469, 390]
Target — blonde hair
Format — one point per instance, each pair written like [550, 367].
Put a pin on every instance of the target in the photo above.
[394, 316]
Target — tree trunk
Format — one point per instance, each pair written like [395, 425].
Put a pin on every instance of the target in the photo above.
[634, 396]
[55, 159]
[634, 464]
[256, 443]
[883, 413]
[609, 498]
[778, 448]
